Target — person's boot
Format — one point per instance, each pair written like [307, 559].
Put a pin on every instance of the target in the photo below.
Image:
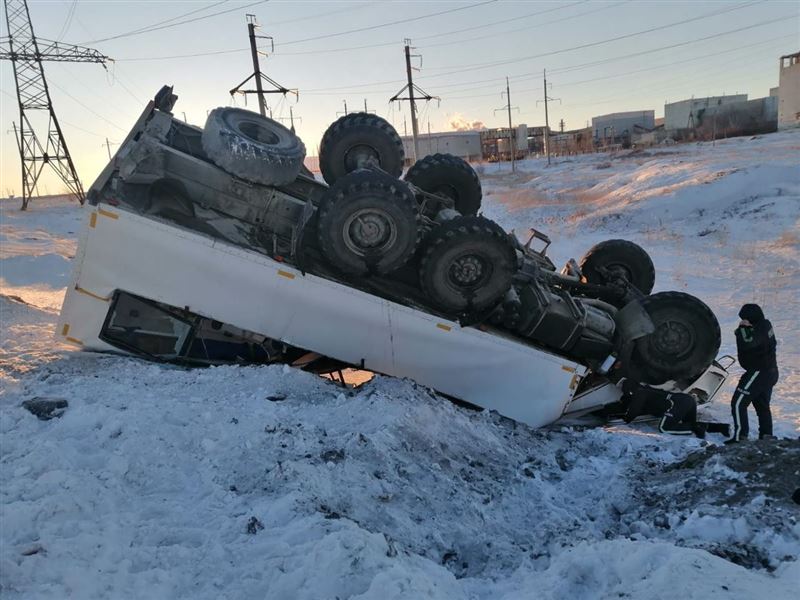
[766, 436]
[699, 429]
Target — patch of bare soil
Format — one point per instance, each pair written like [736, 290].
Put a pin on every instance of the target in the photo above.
[752, 482]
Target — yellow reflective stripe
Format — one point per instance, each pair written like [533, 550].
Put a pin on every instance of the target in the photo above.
[443, 327]
[108, 213]
[286, 274]
[91, 295]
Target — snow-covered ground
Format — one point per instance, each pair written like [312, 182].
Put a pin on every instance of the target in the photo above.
[245, 482]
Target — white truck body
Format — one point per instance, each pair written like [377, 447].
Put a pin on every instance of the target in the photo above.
[123, 251]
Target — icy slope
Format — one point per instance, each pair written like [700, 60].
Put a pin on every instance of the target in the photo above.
[269, 482]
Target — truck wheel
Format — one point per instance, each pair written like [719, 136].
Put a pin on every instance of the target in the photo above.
[620, 257]
[356, 141]
[685, 341]
[252, 147]
[368, 223]
[450, 176]
[468, 264]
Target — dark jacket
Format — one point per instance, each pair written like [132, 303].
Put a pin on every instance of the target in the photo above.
[755, 345]
[643, 400]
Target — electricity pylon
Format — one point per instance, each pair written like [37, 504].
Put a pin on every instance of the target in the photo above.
[27, 54]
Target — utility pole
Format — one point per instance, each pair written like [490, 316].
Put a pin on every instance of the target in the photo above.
[259, 77]
[411, 87]
[546, 116]
[291, 118]
[511, 139]
[366, 110]
[27, 56]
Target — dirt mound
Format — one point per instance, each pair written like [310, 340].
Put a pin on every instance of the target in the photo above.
[726, 498]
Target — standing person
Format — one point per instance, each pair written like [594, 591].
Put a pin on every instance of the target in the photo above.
[755, 346]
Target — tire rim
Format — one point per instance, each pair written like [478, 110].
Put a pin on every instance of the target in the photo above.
[469, 271]
[359, 156]
[369, 230]
[673, 338]
[256, 131]
[620, 270]
[447, 190]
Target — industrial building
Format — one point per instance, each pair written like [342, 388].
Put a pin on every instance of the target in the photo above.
[688, 114]
[474, 145]
[788, 91]
[466, 144]
[618, 128]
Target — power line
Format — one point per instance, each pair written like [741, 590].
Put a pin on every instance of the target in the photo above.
[86, 106]
[456, 31]
[388, 24]
[322, 91]
[473, 66]
[624, 73]
[67, 21]
[166, 24]
[528, 27]
[320, 15]
[386, 44]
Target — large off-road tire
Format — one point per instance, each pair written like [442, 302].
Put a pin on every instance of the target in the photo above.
[620, 257]
[468, 265]
[450, 176]
[368, 223]
[357, 141]
[252, 147]
[685, 341]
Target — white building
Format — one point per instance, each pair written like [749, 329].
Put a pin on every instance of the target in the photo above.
[688, 114]
[789, 92]
[621, 125]
[466, 144]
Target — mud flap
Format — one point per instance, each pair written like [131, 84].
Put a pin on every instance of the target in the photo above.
[632, 323]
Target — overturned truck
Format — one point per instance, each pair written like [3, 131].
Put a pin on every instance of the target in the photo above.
[216, 245]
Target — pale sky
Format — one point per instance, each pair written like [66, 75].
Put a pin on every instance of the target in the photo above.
[467, 53]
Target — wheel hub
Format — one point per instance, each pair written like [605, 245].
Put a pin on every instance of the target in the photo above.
[368, 230]
[673, 338]
[620, 271]
[360, 156]
[467, 270]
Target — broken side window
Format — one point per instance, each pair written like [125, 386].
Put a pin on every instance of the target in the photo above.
[141, 326]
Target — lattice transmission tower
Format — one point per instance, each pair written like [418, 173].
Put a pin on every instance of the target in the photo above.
[39, 137]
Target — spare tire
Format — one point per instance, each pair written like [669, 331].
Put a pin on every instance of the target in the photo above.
[621, 257]
[468, 265]
[368, 223]
[450, 176]
[357, 141]
[252, 147]
[685, 341]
